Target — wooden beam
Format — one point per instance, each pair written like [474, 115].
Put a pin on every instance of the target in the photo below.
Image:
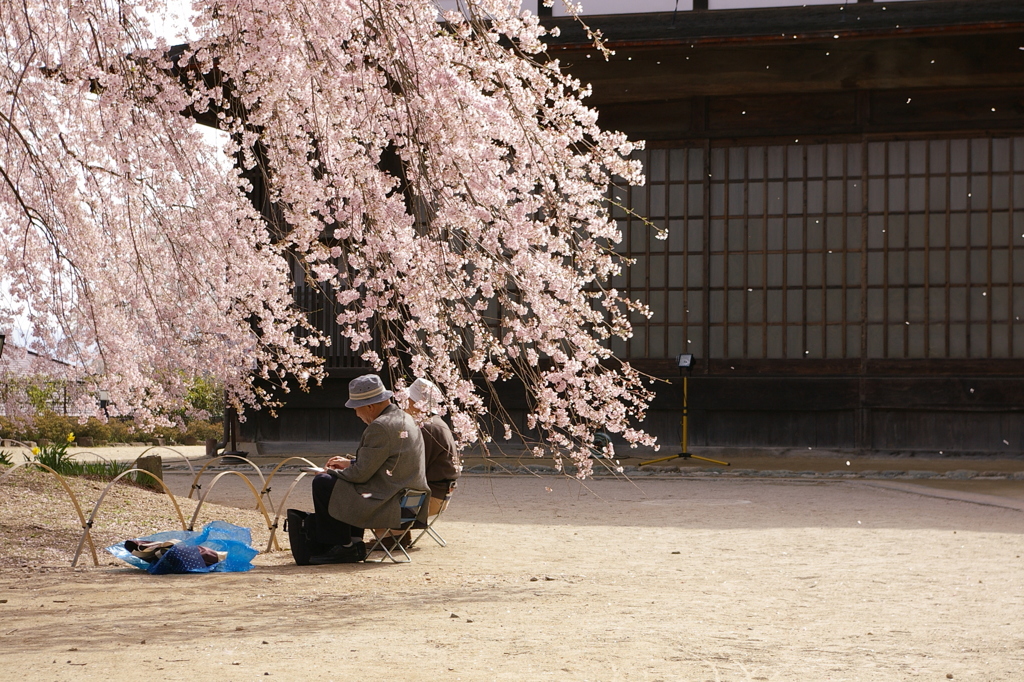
[781, 24]
[659, 73]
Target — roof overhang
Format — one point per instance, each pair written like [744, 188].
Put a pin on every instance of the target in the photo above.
[766, 25]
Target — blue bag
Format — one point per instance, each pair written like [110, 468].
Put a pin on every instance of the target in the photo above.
[184, 556]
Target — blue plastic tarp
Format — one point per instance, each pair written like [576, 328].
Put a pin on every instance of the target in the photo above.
[184, 557]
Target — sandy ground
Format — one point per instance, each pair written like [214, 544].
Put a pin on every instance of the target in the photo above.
[680, 579]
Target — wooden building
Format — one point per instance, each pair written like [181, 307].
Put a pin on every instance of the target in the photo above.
[843, 190]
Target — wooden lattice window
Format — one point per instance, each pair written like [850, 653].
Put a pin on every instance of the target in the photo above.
[898, 249]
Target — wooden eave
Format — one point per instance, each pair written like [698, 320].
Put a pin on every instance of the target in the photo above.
[777, 24]
[835, 69]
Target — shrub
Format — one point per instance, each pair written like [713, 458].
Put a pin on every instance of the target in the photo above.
[95, 429]
[55, 427]
[52, 426]
[123, 431]
[201, 430]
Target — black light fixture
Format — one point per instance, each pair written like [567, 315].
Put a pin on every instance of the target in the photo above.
[685, 361]
[3, 337]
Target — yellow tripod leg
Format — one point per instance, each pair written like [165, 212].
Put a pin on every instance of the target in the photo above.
[684, 456]
[661, 459]
[714, 461]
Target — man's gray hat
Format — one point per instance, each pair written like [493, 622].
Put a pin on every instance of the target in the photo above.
[366, 390]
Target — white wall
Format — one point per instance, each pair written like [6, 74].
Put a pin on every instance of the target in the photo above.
[737, 4]
[621, 6]
[637, 6]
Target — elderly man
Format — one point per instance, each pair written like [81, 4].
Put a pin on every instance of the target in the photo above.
[364, 492]
[442, 458]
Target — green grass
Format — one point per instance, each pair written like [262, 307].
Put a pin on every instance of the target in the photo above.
[57, 458]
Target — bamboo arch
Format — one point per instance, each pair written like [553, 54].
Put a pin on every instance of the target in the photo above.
[188, 462]
[86, 525]
[266, 485]
[277, 517]
[89, 452]
[20, 444]
[259, 502]
[195, 479]
[103, 495]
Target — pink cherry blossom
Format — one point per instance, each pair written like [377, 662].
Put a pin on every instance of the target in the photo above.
[443, 181]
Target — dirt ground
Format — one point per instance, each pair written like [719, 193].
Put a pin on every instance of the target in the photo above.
[676, 579]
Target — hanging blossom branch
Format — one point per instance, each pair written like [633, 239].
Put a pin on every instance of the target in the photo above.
[442, 179]
[124, 238]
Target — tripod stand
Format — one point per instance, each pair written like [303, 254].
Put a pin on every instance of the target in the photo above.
[685, 365]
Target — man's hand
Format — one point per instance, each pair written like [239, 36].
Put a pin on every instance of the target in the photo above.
[337, 463]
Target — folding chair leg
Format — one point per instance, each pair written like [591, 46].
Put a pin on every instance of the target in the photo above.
[411, 503]
[399, 545]
[417, 538]
[434, 535]
[379, 545]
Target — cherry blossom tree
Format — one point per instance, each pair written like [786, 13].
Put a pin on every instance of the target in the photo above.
[440, 181]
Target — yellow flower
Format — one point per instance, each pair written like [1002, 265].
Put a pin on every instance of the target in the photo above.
[71, 437]
[35, 451]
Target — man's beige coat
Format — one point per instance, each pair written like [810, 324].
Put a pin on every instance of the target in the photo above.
[389, 459]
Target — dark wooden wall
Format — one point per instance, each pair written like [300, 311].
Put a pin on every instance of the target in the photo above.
[867, 71]
[903, 71]
[947, 414]
[319, 415]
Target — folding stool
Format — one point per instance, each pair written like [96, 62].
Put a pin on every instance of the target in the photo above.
[411, 502]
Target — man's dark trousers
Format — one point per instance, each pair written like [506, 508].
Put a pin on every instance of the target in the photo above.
[329, 530]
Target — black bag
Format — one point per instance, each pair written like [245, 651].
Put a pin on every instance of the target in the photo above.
[301, 529]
